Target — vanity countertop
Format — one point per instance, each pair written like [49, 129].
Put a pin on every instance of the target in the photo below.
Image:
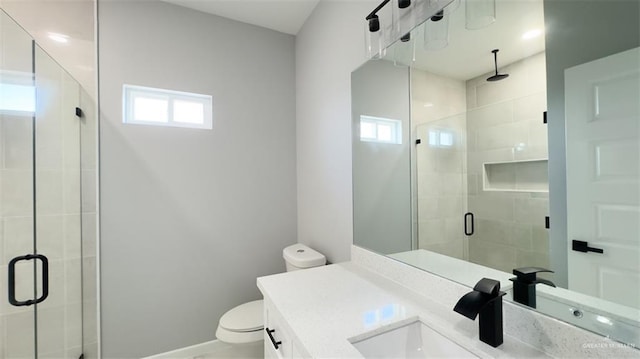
[327, 306]
[457, 270]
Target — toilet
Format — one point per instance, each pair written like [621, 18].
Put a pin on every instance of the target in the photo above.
[244, 323]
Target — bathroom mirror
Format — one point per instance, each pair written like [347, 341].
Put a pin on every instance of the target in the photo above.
[466, 173]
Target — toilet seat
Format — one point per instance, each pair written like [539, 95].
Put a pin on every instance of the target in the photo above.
[242, 324]
[230, 337]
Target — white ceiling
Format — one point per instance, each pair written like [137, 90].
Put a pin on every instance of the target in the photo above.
[286, 16]
[73, 19]
[468, 54]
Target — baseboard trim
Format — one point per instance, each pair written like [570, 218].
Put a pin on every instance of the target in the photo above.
[189, 352]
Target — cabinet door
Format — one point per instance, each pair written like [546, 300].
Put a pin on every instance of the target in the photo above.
[276, 335]
[298, 352]
[269, 351]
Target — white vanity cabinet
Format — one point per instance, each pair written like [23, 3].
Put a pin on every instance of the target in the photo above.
[283, 338]
[320, 312]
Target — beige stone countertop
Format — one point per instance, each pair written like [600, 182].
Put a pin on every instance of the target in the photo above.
[329, 307]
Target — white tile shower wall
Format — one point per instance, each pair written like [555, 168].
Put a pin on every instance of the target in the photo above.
[504, 123]
[550, 335]
[434, 97]
[438, 109]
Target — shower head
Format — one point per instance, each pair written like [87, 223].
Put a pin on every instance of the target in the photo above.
[496, 77]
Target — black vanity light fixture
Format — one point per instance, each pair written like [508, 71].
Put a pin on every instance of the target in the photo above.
[375, 39]
[407, 15]
[374, 21]
[438, 16]
[479, 13]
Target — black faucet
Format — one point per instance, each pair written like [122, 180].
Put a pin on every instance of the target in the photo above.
[524, 284]
[486, 300]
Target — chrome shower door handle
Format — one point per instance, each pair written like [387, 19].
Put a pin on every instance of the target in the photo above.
[12, 280]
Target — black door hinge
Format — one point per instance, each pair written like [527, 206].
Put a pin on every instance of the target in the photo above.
[78, 112]
[544, 117]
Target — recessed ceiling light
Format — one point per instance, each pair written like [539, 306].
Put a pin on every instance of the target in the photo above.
[58, 37]
[531, 34]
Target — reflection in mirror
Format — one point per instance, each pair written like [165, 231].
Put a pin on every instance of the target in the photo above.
[381, 200]
[483, 151]
[466, 193]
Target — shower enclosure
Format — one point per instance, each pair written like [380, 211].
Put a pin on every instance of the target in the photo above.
[46, 150]
[481, 167]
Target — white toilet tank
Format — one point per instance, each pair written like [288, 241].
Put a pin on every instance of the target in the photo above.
[245, 323]
[299, 256]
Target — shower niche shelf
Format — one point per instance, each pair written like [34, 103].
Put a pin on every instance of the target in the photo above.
[516, 176]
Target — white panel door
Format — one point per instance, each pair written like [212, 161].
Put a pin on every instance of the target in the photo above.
[603, 176]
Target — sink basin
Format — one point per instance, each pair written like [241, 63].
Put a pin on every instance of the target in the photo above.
[413, 340]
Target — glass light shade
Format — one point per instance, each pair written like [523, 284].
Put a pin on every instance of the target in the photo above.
[404, 52]
[479, 13]
[436, 34]
[373, 43]
[402, 19]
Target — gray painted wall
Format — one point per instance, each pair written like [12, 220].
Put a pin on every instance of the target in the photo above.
[577, 32]
[190, 218]
[381, 171]
[329, 47]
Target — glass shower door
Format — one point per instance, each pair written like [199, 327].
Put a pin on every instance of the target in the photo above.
[40, 227]
[441, 185]
[17, 119]
[58, 215]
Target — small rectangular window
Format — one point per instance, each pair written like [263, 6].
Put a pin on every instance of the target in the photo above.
[383, 130]
[17, 93]
[442, 138]
[152, 106]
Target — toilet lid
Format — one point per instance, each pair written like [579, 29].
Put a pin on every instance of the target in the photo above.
[244, 318]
